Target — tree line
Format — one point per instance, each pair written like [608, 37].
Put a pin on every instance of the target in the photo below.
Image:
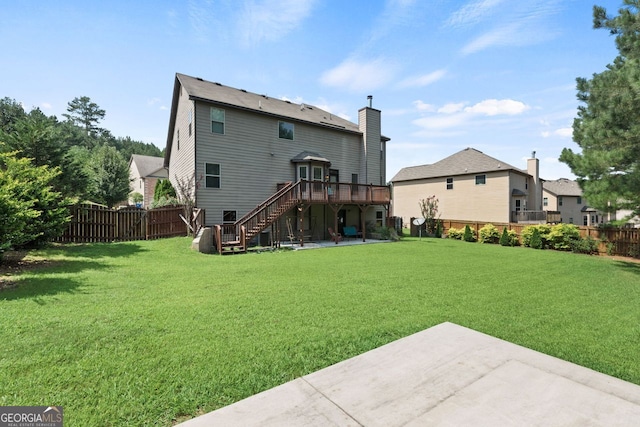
[47, 164]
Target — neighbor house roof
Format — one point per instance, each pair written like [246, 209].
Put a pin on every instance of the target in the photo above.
[467, 161]
[149, 166]
[563, 187]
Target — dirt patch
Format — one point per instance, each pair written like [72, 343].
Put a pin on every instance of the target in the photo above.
[16, 262]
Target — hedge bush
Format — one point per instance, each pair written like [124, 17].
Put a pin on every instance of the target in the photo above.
[563, 236]
[509, 237]
[543, 231]
[469, 234]
[489, 234]
[585, 246]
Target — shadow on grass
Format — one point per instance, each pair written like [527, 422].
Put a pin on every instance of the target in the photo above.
[40, 282]
[98, 250]
[632, 267]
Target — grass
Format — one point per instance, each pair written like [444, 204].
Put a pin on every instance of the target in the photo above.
[150, 333]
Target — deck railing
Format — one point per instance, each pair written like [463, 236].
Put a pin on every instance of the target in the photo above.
[535, 216]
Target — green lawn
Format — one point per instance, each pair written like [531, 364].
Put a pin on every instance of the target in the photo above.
[146, 333]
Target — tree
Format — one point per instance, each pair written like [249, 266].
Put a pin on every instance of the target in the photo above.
[607, 126]
[429, 210]
[31, 212]
[85, 114]
[109, 176]
[10, 111]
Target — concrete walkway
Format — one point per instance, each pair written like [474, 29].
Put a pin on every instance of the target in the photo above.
[446, 375]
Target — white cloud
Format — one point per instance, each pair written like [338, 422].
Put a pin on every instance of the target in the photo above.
[421, 106]
[473, 12]
[270, 20]
[424, 80]
[451, 108]
[358, 76]
[46, 106]
[494, 107]
[562, 132]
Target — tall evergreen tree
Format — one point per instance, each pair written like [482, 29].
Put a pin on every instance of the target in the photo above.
[85, 114]
[109, 176]
[607, 127]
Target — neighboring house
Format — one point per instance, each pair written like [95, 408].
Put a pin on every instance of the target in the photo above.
[242, 148]
[144, 173]
[565, 196]
[471, 186]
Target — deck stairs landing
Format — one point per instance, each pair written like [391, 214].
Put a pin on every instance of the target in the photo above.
[233, 238]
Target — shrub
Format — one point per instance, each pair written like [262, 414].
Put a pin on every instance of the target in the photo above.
[562, 236]
[489, 234]
[455, 233]
[163, 189]
[509, 237]
[543, 231]
[536, 240]
[439, 229]
[164, 201]
[469, 235]
[585, 246]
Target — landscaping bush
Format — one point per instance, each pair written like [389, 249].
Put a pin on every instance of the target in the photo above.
[509, 237]
[536, 240]
[543, 231]
[455, 233]
[469, 235]
[164, 190]
[562, 236]
[489, 234]
[439, 229]
[585, 246]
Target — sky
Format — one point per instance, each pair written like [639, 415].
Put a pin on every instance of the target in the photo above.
[495, 75]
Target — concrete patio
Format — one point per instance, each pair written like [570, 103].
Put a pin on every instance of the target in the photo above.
[446, 375]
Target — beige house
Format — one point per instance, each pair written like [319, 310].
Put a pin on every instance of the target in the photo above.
[248, 153]
[471, 186]
[144, 173]
[565, 196]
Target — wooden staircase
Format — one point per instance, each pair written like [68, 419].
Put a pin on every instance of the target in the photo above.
[233, 238]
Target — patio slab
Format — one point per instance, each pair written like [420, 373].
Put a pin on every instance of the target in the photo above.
[446, 375]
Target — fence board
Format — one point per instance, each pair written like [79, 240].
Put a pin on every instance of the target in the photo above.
[94, 223]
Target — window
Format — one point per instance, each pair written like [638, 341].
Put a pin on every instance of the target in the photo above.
[579, 200]
[228, 217]
[379, 218]
[518, 208]
[354, 178]
[481, 179]
[570, 220]
[585, 220]
[302, 172]
[217, 120]
[449, 183]
[212, 175]
[285, 130]
[317, 173]
[545, 201]
[560, 201]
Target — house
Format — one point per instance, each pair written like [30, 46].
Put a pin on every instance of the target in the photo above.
[144, 173]
[565, 196]
[254, 158]
[471, 186]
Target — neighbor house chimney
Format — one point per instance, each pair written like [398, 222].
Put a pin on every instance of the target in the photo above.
[535, 192]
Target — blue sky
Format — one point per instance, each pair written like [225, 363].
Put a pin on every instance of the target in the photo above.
[495, 75]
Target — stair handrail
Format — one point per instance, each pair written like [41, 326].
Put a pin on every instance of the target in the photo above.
[289, 193]
[275, 195]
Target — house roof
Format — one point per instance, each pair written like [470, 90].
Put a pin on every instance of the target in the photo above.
[149, 166]
[562, 187]
[467, 161]
[309, 156]
[217, 93]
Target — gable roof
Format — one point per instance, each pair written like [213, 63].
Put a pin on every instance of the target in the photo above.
[467, 161]
[563, 187]
[149, 166]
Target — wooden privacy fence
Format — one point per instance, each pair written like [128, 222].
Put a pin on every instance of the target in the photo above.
[613, 240]
[94, 223]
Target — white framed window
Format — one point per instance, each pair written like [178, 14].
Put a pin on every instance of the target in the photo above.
[481, 179]
[579, 200]
[545, 201]
[217, 120]
[560, 201]
[317, 173]
[303, 172]
[212, 175]
[379, 218]
[285, 130]
[449, 183]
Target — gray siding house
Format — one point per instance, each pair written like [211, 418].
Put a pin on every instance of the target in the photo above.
[243, 149]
